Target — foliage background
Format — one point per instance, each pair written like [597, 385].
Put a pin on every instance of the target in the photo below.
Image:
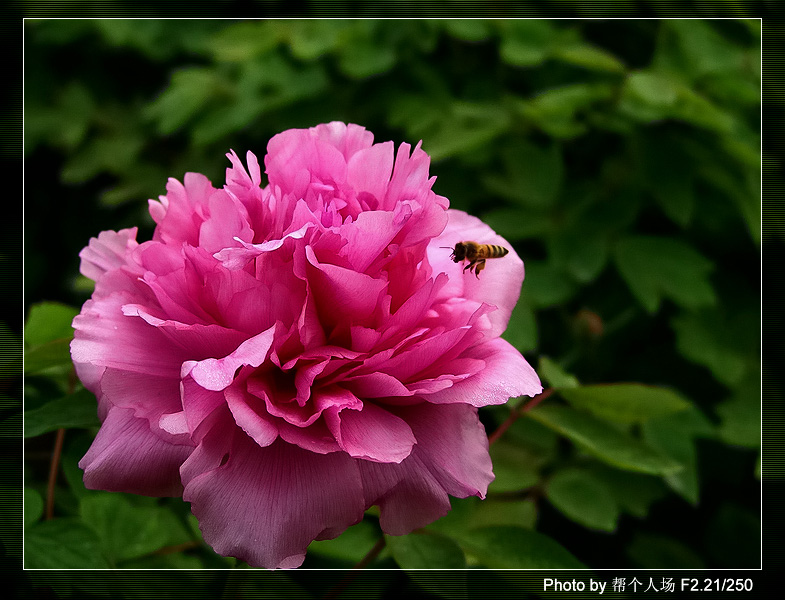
[620, 158]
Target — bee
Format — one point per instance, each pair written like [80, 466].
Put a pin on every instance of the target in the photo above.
[476, 254]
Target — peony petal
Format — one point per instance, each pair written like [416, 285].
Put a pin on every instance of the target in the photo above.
[148, 396]
[368, 237]
[109, 251]
[236, 258]
[408, 495]
[217, 374]
[342, 294]
[249, 412]
[174, 423]
[347, 138]
[371, 433]
[200, 341]
[184, 210]
[369, 170]
[265, 505]
[500, 282]
[506, 375]
[375, 385]
[228, 219]
[127, 457]
[198, 403]
[144, 349]
[452, 442]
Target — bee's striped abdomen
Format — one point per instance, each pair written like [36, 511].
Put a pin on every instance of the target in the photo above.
[495, 251]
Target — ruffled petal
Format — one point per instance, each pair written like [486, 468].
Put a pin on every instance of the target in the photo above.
[218, 373]
[107, 252]
[371, 433]
[102, 325]
[265, 505]
[452, 442]
[408, 494]
[506, 375]
[126, 456]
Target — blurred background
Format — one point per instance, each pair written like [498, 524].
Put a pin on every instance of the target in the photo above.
[622, 160]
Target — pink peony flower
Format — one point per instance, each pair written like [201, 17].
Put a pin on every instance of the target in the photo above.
[285, 357]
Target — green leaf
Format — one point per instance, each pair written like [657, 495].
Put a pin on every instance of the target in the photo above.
[503, 547]
[365, 51]
[556, 110]
[425, 551]
[240, 42]
[526, 42]
[515, 512]
[695, 47]
[584, 498]
[546, 285]
[521, 329]
[34, 506]
[579, 250]
[512, 466]
[62, 544]
[634, 492]
[468, 30]
[604, 441]
[75, 410]
[50, 355]
[127, 531]
[740, 419]
[673, 435]
[189, 92]
[533, 175]
[458, 519]
[463, 127]
[654, 551]
[669, 173]
[657, 267]
[351, 546]
[48, 322]
[655, 96]
[310, 39]
[556, 377]
[649, 96]
[515, 224]
[540, 442]
[590, 57]
[724, 339]
[625, 402]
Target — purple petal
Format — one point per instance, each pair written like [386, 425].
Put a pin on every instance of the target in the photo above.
[371, 433]
[452, 442]
[506, 375]
[265, 505]
[127, 457]
[408, 495]
[217, 374]
[144, 349]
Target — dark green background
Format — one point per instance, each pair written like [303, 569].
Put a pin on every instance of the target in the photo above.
[622, 160]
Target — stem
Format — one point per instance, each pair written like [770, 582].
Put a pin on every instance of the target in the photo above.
[176, 548]
[372, 554]
[54, 466]
[366, 560]
[515, 414]
[57, 451]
